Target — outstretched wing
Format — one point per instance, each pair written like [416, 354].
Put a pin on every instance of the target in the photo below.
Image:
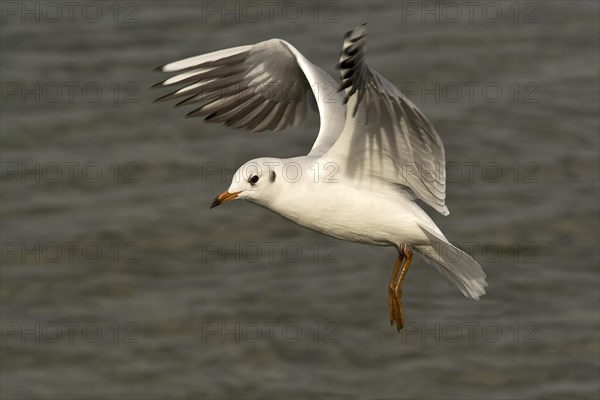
[385, 137]
[266, 86]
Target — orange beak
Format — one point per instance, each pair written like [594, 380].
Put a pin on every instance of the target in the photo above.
[224, 197]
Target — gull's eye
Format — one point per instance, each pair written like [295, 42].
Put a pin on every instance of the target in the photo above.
[253, 179]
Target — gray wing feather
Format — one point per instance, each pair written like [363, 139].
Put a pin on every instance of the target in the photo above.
[385, 136]
[266, 86]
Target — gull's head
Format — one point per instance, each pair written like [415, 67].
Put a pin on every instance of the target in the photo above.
[256, 181]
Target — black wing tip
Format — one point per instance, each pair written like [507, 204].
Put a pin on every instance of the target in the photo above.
[351, 60]
[183, 102]
[364, 24]
[348, 63]
[163, 98]
[360, 30]
[160, 68]
[198, 112]
[160, 99]
[192, 114]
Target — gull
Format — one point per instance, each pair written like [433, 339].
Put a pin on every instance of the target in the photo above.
[375, 154]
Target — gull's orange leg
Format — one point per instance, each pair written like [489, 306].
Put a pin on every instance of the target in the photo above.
[391, 297]
[398, 309]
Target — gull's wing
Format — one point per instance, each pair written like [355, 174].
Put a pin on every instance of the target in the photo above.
[265, 86]
[386, 139]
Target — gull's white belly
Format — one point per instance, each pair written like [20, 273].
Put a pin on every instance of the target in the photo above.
[356, 215]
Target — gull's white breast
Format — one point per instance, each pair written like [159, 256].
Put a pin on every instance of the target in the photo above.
[356, 214]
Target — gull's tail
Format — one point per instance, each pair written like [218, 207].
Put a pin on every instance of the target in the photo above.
[459, 267]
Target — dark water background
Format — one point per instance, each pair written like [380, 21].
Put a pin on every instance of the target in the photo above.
[185, 297]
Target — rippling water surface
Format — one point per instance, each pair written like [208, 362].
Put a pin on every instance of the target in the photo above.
[161, 297]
